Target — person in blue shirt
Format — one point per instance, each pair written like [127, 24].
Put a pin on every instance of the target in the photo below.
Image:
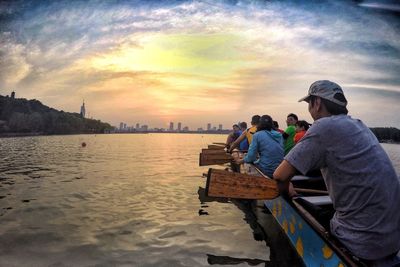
[266, 149]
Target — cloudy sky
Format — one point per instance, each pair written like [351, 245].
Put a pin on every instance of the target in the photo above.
[201, 61]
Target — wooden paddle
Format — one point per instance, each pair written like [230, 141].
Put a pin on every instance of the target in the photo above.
[221, 144]
[214, 158]
[213, 151]
[216, 147]
[222, 183]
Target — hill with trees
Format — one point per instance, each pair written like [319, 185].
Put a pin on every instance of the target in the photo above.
[19, 116]
[387, 134]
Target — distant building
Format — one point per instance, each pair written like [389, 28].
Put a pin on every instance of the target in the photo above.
[179, 126]
[214, 128]
[220, 127]
[171, 126]
[137, 126]
[186, 129]
[13, 95]
[83, 110]
[199, 129]
[121, 125]
[144, 128]
[208, 126]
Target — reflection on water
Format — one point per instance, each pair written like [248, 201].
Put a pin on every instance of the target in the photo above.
[123, 200]
[225, 260]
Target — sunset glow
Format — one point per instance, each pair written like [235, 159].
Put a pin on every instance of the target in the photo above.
[199, 62]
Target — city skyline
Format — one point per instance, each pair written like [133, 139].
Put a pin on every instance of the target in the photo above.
[147, 127]
[200, 62]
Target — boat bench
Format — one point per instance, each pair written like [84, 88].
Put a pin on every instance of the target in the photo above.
[318, 200]
[304, 178]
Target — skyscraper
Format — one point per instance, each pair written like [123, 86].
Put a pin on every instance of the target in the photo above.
[83, 109]
[179, 126]
[208, 126]
[171, 126]
[220, 127]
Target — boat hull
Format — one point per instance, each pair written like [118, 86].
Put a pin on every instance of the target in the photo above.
[308, 243]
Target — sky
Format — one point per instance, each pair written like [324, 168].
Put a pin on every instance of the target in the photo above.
[199, 62]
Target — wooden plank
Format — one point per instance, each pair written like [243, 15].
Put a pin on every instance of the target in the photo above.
[222, 183]
[214, 159]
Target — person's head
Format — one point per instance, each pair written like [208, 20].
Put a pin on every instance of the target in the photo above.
[265, 123]
[291, 119]
[325, 98]
[255, 120]
[302, 126]
[243, 125]
[275, 124]
[235, 128]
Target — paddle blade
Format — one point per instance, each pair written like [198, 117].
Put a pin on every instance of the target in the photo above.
[213, 151]
[214, 158]
[222, 183]
[216, 146]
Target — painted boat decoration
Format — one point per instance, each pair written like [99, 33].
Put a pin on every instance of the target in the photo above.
[309, 245]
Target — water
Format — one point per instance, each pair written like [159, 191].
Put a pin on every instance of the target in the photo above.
[123, 200]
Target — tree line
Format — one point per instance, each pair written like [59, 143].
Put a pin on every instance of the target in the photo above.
[387, 134]
[22, 116]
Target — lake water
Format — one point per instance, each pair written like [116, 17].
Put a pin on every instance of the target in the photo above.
[123, 200]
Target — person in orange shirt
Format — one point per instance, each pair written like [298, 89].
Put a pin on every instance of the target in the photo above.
[301, 129]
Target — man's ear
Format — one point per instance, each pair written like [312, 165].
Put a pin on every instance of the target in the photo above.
[318, 103]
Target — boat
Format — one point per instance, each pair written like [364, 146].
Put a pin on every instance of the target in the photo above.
[304, 219]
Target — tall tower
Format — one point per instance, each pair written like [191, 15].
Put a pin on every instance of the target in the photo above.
[171, 126]
[83, 110]
[179, 126]
[208, 126]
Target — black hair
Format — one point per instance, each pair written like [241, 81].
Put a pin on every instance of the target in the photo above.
[265, 123]
[303, 124]
[255, 119]
[235, 125]
[330, 106]
[275, 124]
[243, 125]
[294, 116]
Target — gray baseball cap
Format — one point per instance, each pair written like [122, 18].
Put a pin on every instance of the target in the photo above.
[326, 90]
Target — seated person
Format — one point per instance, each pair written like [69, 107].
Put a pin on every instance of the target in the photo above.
[360, 178]
[290, 131]
[268, 145]
[244, 144]
[248, 134]
[233, 135]
[301, 129]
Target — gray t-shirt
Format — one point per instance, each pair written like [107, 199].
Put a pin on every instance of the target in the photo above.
[361, 181]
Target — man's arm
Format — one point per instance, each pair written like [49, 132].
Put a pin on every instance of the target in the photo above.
[237, 141]
[282, 175]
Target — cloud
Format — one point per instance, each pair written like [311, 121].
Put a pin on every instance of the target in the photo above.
[187, 59]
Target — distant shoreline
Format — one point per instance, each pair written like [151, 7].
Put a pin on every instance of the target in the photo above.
[11, 135]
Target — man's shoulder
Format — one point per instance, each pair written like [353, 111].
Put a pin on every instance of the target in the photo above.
[336, 121]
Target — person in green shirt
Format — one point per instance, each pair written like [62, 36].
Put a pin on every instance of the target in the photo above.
[290, 132]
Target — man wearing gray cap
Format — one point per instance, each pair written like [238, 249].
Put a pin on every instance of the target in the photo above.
[359, 176]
